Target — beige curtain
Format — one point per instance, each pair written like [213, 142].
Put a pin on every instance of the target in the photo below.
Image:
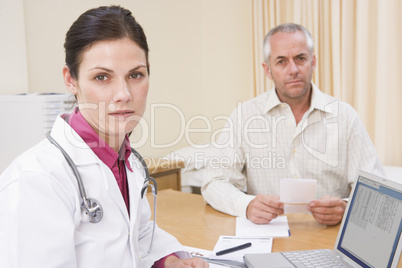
[358, 44]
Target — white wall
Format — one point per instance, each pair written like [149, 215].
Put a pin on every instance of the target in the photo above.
[13, 58]
[200, 54]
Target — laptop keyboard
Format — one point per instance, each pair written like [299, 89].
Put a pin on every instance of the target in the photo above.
[313, 258]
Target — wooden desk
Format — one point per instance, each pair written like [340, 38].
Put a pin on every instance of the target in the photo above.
[196, 224]
[167, 173]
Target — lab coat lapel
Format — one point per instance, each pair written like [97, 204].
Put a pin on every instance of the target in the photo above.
[72, 143]
[135, 181]
[114, 192]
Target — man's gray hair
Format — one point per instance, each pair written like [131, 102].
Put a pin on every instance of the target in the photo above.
[286, 28]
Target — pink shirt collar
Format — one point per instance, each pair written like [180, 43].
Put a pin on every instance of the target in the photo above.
[102, 150]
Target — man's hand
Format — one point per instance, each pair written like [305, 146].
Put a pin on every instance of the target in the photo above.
[264, 208]
[328, 210]
[174, 262]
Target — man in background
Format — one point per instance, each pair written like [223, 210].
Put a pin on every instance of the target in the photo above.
[291, 131]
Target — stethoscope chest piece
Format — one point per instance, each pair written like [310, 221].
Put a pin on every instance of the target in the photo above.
[92, 211]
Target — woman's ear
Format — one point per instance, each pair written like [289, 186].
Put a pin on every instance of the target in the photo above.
[69, 81]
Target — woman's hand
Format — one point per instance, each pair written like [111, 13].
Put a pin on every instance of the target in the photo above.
[174, 262]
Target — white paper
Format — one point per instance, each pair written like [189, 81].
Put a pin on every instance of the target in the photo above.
[296, 194]
[204, 254]
[278, 227]
[258, 245]
[198, 252]
[215, 265]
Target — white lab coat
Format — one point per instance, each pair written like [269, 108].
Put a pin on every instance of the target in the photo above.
[40, 215]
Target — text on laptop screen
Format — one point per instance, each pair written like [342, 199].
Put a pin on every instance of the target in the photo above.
[374, 221]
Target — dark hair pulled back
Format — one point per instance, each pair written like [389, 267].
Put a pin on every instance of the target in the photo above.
[104, 23]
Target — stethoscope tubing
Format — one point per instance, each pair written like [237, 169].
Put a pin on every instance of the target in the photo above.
[73, 167]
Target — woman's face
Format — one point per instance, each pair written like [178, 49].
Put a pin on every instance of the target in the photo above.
[112, 86]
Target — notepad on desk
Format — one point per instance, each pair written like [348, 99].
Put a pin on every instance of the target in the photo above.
[278, 227]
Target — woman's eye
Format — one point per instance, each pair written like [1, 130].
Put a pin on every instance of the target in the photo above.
[136, 75]
[101, 77]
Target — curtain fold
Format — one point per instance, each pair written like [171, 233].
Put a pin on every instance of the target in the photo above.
[359, 60]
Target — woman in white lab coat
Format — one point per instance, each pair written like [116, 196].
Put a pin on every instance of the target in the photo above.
[41, 218]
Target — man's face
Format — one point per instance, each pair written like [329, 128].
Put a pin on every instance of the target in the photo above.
[291, 66]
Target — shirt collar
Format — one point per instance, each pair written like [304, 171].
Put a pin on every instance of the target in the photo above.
[319, 100]
[101, 149]
[323, 102]
[272, 100]
[126, 148]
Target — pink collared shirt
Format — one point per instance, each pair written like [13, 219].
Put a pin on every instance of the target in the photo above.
[108, 156]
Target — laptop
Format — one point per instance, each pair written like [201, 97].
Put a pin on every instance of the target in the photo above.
[369, 236]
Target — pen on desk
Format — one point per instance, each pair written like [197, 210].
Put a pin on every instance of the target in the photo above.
[233, 249]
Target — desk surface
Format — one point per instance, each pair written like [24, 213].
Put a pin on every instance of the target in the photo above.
[196, 224]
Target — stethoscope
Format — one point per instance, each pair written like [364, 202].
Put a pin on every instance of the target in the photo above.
[91, 209]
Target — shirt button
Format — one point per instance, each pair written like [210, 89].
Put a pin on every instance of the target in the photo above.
[293, 151]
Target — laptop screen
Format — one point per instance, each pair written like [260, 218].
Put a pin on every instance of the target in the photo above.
[373, 224]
